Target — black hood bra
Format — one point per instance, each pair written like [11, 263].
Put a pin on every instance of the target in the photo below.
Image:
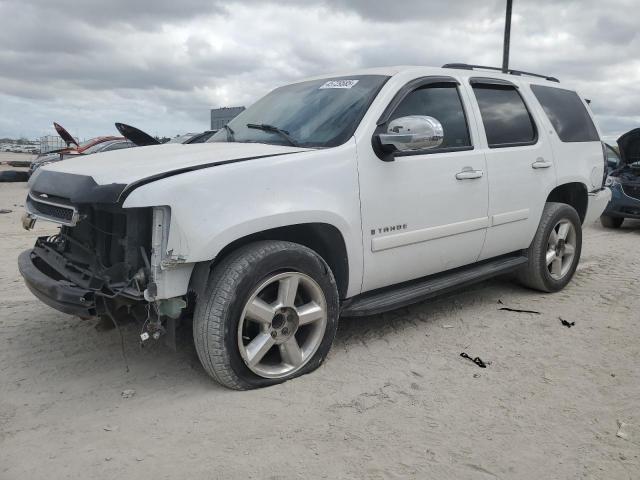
[84, 189]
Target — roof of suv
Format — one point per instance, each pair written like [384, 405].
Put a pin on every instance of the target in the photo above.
[422, 70]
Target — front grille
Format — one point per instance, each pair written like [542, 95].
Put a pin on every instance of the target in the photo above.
[54, 211]
[632, 191]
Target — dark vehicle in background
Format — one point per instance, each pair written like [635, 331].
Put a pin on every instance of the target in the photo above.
[623, 180]
[142, 139]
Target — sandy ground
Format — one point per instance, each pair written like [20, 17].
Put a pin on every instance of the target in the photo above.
[393, 400]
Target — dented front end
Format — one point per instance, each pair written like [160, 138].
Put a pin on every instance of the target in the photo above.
[98, 263]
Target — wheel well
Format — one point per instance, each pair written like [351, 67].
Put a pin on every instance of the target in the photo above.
[326, 240]
[574, 194]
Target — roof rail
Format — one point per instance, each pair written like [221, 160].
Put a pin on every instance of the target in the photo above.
[465, 66]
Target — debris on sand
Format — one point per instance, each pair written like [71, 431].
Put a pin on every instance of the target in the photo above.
[5, 210]
[128, 393]
[565, 323]
[477, 360]
[626, 431]
[518, 310]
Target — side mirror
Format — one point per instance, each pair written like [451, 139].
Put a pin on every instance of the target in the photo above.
[414, 132]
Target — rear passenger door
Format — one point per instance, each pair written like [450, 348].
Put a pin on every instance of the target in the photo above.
[520, 165]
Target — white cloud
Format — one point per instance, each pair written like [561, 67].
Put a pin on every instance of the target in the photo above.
[161, 65]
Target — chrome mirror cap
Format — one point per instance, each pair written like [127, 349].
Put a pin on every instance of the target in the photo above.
[414, 132]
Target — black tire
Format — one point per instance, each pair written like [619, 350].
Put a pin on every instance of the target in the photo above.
[611, 222]
[535, 274]
[14, 176]
[230, 285]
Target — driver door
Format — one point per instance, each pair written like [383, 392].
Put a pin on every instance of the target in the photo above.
[421, 213]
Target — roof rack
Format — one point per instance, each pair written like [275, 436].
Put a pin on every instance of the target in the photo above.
[465, 66]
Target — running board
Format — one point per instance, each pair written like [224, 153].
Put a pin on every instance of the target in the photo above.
[397, 296]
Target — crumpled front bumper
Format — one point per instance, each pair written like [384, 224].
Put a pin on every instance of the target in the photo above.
[62, 295]
[597, 203]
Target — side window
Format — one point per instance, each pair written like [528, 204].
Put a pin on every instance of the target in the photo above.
[506, 120]
[442, 102]
[567, 114]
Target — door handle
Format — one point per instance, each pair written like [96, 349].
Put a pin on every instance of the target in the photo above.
[469, 173]
[541, 163]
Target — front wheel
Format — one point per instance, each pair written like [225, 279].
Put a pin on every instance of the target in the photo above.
[555, 250]
[269, 314]
[611, 222]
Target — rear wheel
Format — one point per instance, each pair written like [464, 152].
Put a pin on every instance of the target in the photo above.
[555, 250]
[269, 314]
[611, 222]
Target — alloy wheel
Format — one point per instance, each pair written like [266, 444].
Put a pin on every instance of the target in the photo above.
[561, 249]
[282, 324]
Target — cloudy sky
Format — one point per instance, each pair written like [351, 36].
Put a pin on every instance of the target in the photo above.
[162, 64]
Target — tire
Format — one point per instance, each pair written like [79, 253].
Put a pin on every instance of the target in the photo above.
[14, 176]
[539, 273]
[611, 222]
[223, 319]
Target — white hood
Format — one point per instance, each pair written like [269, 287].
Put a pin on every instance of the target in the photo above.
[133, 164]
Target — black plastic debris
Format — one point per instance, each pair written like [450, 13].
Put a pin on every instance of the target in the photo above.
[518, 310]
[565, 323]
[478, 361]
[5, 210]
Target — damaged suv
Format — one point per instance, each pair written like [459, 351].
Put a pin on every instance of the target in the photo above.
[624, 181]
[343, 195]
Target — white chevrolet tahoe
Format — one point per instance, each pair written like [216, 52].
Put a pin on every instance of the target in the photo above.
[346, 195]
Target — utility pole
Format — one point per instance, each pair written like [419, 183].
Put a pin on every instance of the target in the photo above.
[507, 37]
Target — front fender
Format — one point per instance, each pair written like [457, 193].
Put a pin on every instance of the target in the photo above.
[213, 207]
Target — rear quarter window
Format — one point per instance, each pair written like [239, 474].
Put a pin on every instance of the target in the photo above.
[567, 114]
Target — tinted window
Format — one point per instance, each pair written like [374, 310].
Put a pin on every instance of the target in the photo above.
[566, 113]
[443, 103]
[505, 117]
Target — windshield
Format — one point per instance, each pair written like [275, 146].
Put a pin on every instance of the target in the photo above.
[317, 113]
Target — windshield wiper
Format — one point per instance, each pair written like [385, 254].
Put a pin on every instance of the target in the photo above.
[272, 128]
[230, 133]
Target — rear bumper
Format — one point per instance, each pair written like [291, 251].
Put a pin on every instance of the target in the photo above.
[622, 205]
[59, 294]
[597, 203]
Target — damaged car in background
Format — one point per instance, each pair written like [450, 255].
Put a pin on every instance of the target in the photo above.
[623, 180]
[73, 148]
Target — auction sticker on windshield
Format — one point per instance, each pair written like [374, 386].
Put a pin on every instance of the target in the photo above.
[339, 84]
